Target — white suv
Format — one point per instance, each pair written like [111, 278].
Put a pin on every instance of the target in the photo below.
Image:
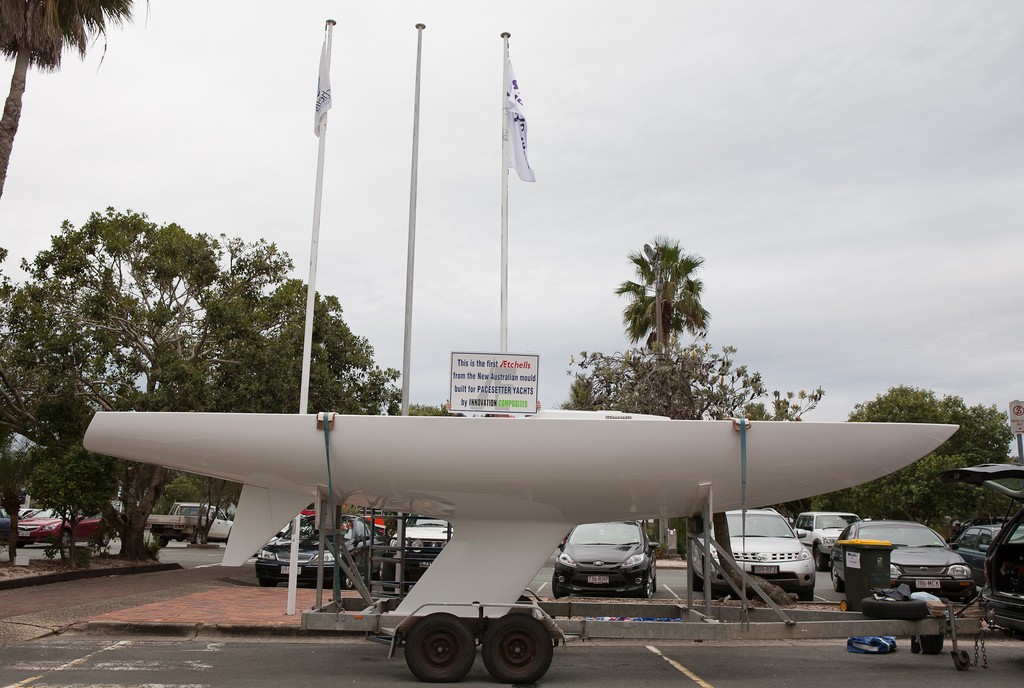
[767, 547]
[823, 527]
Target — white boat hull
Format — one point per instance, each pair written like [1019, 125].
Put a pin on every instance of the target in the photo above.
[511, 488]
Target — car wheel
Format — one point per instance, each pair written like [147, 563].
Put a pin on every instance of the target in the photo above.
[517, 649]
[164, 541]
[440, 648]
[805, 595]
[267, 582]
[821, 561]
[837, 583]
[649, 586]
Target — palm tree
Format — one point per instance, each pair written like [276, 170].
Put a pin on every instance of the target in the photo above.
[681, 309]
[35, 33]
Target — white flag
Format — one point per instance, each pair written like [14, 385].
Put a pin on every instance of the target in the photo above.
[516, 120]
[323, 91]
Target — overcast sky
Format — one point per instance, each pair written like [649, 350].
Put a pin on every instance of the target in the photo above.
[852, 173]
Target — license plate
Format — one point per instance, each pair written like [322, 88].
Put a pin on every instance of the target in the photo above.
[24, 533]
[928, 584]
[597, 580]
[285, 570]
[424, 564]
[763, 570]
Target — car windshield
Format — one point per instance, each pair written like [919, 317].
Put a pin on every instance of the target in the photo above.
[605, 534]
[308, 529]
[759, 525]
[835, 521]
[904, 535]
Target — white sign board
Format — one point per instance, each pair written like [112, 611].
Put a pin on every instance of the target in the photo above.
[1017, 417]
[493, 383]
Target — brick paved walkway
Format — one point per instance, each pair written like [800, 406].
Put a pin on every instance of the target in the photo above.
[235, 605]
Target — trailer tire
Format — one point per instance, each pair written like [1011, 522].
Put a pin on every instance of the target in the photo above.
[517, 648]
[930, 644]
[906, 610]
[440, 648]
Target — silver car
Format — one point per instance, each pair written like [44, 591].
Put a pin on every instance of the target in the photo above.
[766, 546]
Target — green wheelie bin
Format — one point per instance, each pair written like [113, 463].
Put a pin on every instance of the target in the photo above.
[865, 566]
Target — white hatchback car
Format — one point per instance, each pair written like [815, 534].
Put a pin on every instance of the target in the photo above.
[766, 546]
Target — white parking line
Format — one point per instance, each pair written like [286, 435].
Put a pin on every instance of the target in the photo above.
[671, 591]
[67, 665]
[680, 668]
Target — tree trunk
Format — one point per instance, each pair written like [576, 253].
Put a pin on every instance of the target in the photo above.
[11, 507]
[142, 485]
[12, 114]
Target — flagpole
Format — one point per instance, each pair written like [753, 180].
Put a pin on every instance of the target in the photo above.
[307, 340]
[411, 255]
[504, 197]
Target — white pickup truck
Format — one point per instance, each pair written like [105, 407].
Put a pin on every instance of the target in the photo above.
[182, 523]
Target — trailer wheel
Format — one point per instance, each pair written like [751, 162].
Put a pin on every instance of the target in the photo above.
[906, 610]
[931, 644]
[517, 649]
[440, 648]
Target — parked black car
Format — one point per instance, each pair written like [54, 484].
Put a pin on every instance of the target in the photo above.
[973, 544]
[274, 558]
[613, 558]
[921, 559]
[5, 526]
[1003, 592]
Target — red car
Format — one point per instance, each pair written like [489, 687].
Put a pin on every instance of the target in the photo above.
[46, 526]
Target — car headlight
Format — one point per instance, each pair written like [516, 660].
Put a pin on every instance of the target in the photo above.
[416, 544]
[894, 571]
[328, 558]
[48, 529]
[634, 560]
[565, 560]
[265, 554]
[960, 571]
[804, 554]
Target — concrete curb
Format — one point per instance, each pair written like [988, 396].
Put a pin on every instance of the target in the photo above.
[81, 574]
[187, 630]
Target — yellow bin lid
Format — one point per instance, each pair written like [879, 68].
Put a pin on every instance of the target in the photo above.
[877, 543]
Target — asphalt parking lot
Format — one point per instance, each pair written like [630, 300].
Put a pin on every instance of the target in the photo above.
[51, 642]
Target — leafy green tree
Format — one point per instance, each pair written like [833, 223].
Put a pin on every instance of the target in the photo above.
[428, 410]
[35, 33]
[681, 291]
[913, 492]
[16, 467]
[687, 383]
[74, 483]
[128, 315]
